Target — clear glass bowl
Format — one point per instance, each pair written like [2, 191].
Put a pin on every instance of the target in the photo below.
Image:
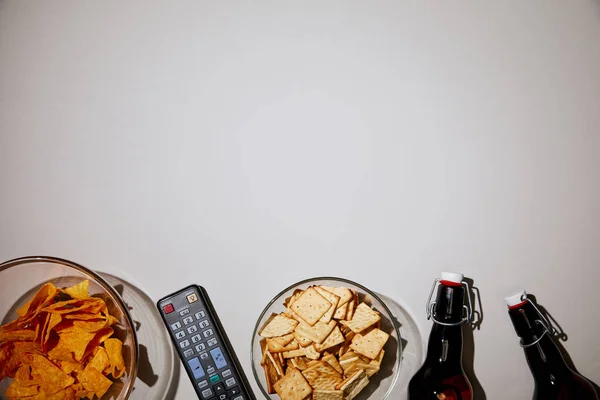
[21, 278]
[382, 383]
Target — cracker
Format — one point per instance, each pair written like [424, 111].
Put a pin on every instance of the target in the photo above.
[371, 344]
[334, 338]
[317, 333]
[341, 312]
[280, 325]
[333, 299]
[310, 306]
[312, 353]
[377, 360]
[363, 318]
[354, 384]
[328, 395]
[322, 376]
[351, 309]
[294, 353]
[274, 359]
[293, 386]
[302, 340]
[271, 375]
[359, 364]
[299, 363]
[275, 346]
[344, 294]
[331, 360]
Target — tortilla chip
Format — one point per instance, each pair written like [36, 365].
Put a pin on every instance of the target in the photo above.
[79, 291]
[114, 349]
[93, 381]
[50, 378]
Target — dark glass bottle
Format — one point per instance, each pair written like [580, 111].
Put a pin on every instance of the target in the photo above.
[554, 380]
[442, 376]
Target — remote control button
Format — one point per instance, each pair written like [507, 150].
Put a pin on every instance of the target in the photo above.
[239, 398]
[180, 334]
[202, 384]
[175, 326]
[222, 396]
[168, 309]
[233, 391]
[206, 393]
[230, 383]
[212, 342]
[200, 314]
[188, 353]
[226, 373]
[192, 329]
[196, 367]
[203, 324]
[204, 356]
[219, 389]
[184, 344]
[196, 339]
[192, 298]
[184, 312]
[210, 370]
[188, 320]
[215, 378]
[218, 357]
[208, 332]
[200, 347]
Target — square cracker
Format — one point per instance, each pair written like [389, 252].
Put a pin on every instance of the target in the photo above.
[333, 299]
[322, 376]
[310, 306]
[293, 386]
[280, 325]
[341, 312]
[302, 340]
[334, 338]
[275, 346]
[331, 360]
[363, 318]
[344, 294]
[354, 384]
[317, 333]
[371, 344]
[328, 395]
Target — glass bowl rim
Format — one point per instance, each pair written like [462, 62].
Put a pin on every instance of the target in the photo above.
[105, 285]
[331, 278]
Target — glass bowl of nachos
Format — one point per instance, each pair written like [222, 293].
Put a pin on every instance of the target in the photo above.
[65, 333]
[329, 338]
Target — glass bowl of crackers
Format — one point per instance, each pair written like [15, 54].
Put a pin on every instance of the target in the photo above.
[65, 333]
[326, 339]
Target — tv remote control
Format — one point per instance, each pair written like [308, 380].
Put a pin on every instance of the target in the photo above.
[203, 346]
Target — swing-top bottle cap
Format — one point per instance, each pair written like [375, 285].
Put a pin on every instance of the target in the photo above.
[515, 299]
[452, 277]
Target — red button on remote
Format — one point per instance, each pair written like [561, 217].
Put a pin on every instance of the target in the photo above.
[169, 308]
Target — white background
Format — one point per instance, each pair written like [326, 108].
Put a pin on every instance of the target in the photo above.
[248, 145]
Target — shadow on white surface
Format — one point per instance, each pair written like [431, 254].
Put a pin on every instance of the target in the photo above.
[412, 346]
[158, 369]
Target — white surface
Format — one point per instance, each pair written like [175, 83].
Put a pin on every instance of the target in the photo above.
[246, 146]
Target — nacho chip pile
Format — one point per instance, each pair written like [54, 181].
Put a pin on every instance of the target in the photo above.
[324, 346]
[60, 346]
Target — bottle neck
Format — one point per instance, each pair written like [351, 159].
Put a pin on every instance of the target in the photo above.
[446, 341]
[544, 357]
